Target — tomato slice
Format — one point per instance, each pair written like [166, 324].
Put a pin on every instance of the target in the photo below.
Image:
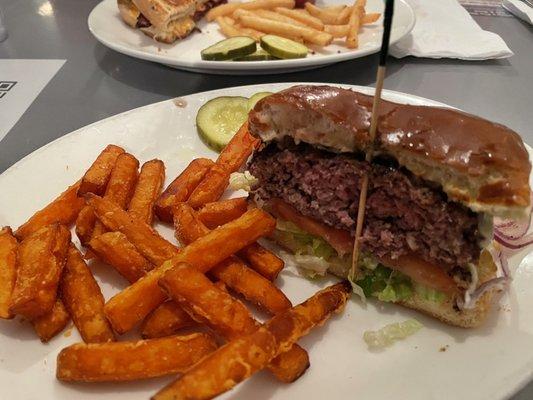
[339, 239]
[422, 272]
[419, 270]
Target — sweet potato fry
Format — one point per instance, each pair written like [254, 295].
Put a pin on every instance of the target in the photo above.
[262, 260]
[240, 358]
[41, 257]
[230, 160]
[147, 191]
[8, 270]
[134, 303]
[119, 190]
[226, 315]
[63, 210]
[121, 185]
[126, 361]
[233, 272]
[83, 299]
[221, 212]
[181, 188]
[145, 239]
[85, 224]
[96, 178]
[250, 284]
[115, 249]
[51, 323]
[165, 320]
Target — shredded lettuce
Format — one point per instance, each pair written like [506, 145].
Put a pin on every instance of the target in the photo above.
[391, 333]
[302, 242]
[314, 256]
[429, 294]
[242, 180]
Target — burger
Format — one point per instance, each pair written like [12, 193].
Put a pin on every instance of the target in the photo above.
[437, 179]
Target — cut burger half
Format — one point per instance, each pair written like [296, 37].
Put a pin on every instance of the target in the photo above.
[437, 179]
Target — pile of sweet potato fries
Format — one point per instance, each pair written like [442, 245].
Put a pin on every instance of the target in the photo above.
[44, 278]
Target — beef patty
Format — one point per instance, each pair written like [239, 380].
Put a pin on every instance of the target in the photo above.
[403, 213]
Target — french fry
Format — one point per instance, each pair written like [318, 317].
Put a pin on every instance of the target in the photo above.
[242, 357]
[127, 361]
[165, 320]
[226, 315]
[8, 270]
[371, 18]
[354, 23]
[96, 178]
[134, 303]
[302, 16]
[343, 17]
[253, 33]
[310, 35]
[115, 249]
[145, 239]
[51, 323]
[228, 9]
[219, 213]
[63, 210]
[83, 299]
[337, 31]
[181, 188]
[121, 185]
[147, 191]
[41, 257]
[262, 260]
[274, 16]
[233, 272]
[228, 29]
[326, 17]
[335, 9]
[233, 156]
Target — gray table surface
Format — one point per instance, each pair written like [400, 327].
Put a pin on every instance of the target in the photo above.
[96, 82]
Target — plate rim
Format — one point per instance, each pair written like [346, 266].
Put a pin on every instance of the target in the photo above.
[257, 66]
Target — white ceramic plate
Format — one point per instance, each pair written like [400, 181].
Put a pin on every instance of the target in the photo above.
[107, 26]
[479, 364]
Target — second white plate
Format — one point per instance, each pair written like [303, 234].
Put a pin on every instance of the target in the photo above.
[108, 28]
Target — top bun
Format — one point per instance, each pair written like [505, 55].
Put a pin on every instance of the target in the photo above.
[478, 163]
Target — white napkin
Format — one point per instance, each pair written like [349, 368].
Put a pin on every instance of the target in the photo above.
[444, 29]
[520, 9]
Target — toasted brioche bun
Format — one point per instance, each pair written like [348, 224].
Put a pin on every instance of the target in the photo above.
[129, 12]
[478, 163]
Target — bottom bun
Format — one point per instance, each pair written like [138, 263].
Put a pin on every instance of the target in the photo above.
[446, 311]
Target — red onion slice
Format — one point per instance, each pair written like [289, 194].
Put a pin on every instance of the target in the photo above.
[474, 297]
[514, 244]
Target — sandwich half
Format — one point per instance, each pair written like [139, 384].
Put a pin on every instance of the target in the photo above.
[437, 179]
[165, 20]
